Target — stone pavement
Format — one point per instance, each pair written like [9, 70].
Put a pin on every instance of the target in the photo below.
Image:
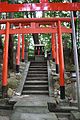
[31, 116]
[75, 115]
[33, 108]
[5, 114]
[4, 118]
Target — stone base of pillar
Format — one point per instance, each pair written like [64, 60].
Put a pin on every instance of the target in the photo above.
[4, 91]
[62, 92]
[17, 68]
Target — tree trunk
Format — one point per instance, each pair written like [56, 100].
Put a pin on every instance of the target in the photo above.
[35, 38]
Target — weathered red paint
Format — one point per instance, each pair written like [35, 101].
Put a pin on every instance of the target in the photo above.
[18, 49]
[5, 7]
[5, 57]
[61, 58]
[53, 45]
[23, 46]
[57, 54]
[36, 20]
[35, 30]
[43, 1]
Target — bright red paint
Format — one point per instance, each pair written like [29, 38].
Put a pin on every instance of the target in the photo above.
[18, 49]
[61, 58]
[5, 56]
[5, 7]
[36, 20]
[23, 48]
[57, 51]
[43, 1]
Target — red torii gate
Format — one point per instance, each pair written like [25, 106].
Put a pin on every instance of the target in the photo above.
[34, 24]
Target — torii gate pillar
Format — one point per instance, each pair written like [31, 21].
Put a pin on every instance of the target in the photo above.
[61, 62]
[5, 62]
[57, 55]
[23, 48]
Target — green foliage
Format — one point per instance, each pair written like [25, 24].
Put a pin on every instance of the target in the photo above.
[78, 30]
[15, 40]
[67, 41]
[46, 40]
[78, 44]
[18, 14]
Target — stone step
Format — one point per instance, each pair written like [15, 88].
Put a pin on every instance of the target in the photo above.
[35, 82]
[37, 63]
[33, 108]
[37, 72]
[36, 69]
[33, 116]
[38, 66]
[33, 62]
[33, 92]
[35, 87]
[37, 78]
[37, 75]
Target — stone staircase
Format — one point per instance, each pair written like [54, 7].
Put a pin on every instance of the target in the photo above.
[37, 79]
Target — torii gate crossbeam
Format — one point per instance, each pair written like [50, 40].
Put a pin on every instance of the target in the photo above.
[5, 7]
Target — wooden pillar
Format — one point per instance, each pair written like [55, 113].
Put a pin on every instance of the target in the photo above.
[18, 53]
[61, 62]
[23, 48]
[5, 62]
[57, 55]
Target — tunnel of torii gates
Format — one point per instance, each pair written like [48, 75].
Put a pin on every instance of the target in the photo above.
[35, 25]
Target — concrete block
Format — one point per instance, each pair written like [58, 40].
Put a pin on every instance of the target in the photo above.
[75, 115]
[52, 105]
[28, 116]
